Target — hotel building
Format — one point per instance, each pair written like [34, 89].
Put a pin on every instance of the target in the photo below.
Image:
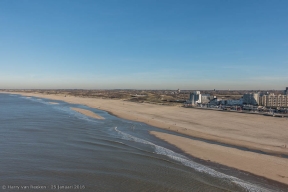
[272, 100]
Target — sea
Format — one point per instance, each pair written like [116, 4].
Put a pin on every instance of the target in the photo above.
[49, 147]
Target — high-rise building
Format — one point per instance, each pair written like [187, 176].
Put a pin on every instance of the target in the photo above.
[286, 91]
[251, 98]
[195, 97]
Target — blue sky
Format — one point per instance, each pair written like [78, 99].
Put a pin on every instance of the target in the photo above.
[144, 44]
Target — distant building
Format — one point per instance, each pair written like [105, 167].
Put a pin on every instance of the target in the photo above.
[272, 100]
[205, 98]
[195, 97]
[234, 102]
[251, 98]
[223, 102]
[215, 101]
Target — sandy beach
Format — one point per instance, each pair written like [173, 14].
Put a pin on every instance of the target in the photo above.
[87, 113]
[267, 166]
[267, 134]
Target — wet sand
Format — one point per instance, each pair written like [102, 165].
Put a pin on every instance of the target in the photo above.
[87, 113]
[267, 134]
[267, 166]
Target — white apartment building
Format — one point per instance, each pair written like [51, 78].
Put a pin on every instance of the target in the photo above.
[272, 100]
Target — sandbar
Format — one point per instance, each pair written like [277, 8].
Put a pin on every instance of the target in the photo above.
[87, 113]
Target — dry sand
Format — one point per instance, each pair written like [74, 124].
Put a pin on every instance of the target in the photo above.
[268, 134]
[87, 113]
[267, 166]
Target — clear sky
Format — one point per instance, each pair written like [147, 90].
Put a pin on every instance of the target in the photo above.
[144, 44]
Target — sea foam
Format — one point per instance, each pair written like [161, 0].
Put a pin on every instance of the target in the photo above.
[196, 166]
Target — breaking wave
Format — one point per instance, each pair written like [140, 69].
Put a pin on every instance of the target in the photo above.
[196, 166]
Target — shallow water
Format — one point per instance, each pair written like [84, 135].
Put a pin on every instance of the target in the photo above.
[54, 148]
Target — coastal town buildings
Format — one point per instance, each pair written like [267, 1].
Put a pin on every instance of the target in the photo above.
[258, 99]
[195, 97]
[205, 98]
[251, 98]
[235, 102]
[215, 101]
[273, 100]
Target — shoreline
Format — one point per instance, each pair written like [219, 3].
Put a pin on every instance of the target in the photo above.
[271, 150]
[155, 116]
[53, 103]
[276, 168]
[154, 121]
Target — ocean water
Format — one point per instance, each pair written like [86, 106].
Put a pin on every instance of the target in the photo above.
[47, 147]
